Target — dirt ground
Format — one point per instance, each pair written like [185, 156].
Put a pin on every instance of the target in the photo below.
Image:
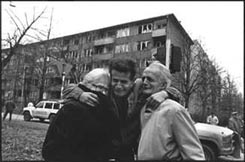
[22, 140]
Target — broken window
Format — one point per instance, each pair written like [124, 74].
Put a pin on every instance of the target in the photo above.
[149, 27]
[142, 45]
[146, 28]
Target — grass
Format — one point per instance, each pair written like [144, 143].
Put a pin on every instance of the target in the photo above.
[22, 140]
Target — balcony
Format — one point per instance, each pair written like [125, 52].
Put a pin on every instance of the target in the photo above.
[103, 41]
[99, 57]
[159, 32]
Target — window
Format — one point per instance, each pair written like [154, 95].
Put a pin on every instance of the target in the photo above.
[100, 50]
[48, 105]
[121, 48]
[143, 45]
[56, 106]
[86, 67]
[88, 52]
[72, 55]
[40, 105]
[111, 34]
[75, 54]
[66, 42]
[145, 28]
[158, 44]
[123, 32]
[160, 24]
[76, 42]
[89, 38]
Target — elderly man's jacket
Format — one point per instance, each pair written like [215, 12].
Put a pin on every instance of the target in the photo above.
[168, 133]
[81, 133]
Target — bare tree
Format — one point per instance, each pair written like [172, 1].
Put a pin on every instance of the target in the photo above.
[209, 86]
[231, 100]
[229, 90]
[44, 67]
[14, 40]
[189, 76]
[204, 90]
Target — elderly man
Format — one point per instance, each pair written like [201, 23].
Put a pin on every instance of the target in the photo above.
[125, 92]
[81, 132]
[167, 132]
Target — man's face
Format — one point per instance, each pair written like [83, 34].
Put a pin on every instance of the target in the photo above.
[121, 83]
[151, 83]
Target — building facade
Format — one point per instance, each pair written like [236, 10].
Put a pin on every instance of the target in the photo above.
[73, 56]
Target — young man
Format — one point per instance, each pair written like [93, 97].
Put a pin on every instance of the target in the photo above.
[80, 132]
[124, 93]
[167, 132]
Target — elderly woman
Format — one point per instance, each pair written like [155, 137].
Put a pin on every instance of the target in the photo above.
[167, 132]
[81, 132]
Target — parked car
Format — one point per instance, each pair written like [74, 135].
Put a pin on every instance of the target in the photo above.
[42, 110]
[216, 140]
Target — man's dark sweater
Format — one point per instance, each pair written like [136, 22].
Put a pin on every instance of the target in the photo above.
[81, 133]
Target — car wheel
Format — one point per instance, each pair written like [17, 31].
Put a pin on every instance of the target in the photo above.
[27, 116]
[209, 153]
[51, 118]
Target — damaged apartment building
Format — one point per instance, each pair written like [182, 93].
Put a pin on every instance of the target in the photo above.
[73, 56]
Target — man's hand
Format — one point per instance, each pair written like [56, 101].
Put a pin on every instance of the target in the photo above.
[73, 91]
[89, 98]
[156, 99]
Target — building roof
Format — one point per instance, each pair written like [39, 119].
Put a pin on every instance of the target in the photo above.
[138, 22]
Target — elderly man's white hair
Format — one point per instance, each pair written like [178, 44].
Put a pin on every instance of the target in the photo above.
[95, 75]
[161, 70]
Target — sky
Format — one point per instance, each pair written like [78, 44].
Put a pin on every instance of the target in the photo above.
[219, 26]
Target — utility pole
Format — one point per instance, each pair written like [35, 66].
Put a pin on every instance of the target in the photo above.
[23, 87]
[63, 80]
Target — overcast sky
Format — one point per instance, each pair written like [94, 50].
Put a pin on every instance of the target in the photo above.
[218, 25]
